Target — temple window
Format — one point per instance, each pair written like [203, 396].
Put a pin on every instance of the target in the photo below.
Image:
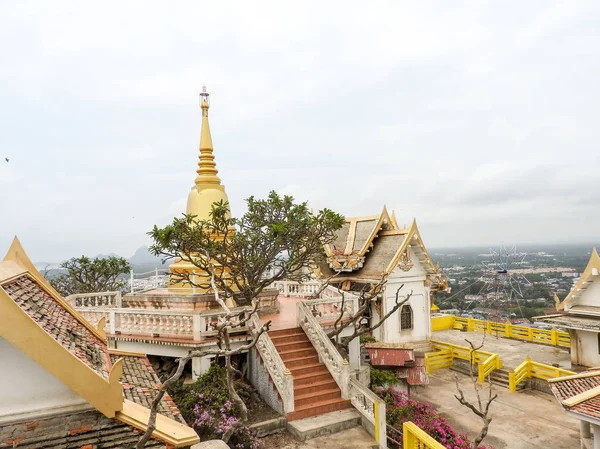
[406, 317]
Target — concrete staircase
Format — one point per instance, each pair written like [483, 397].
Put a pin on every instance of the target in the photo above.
[315, 391]
[499, 376]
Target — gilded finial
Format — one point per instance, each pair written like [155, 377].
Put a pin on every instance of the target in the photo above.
[207, 168]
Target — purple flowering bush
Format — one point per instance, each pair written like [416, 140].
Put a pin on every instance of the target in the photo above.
[213, 420]
[400, 409]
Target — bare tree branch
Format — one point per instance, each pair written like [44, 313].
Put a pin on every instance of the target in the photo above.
[481, 410]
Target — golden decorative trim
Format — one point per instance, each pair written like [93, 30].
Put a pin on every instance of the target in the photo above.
[167, 430]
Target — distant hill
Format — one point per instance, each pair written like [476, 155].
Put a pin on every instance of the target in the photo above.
[143, 256]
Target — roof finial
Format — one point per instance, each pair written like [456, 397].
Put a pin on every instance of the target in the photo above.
[207, 168]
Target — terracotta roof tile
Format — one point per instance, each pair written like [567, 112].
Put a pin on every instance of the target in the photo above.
[51, 316]
[571, 387]
[140, 384]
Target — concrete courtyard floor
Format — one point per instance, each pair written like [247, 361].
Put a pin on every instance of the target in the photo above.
[355, 438]
[524, 420]
[512, 352]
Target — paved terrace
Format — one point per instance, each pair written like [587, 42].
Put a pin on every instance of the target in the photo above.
[512, 352]
[528, 419]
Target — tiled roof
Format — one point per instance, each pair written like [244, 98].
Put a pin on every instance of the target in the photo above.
[140, 384]
[59, 323]
[566, 389]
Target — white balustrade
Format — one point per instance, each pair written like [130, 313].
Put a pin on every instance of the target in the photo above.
[100, 299]
[297, 289]
[282, 377]
[372, 407]
[328, 353]
[327, 311]
[184, 325]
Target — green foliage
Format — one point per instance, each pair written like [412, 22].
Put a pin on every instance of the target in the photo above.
[85, 275]
[205, 406]
[367, 339]
[275, 235]
[382, 378]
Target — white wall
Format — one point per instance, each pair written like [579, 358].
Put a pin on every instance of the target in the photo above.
[414, 280]
[585, 349]
[26, 387]
[590, 296]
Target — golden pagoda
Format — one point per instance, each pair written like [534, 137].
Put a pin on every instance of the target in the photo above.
[206, 191]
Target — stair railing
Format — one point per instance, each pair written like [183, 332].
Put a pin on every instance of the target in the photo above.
[372, 408]
[328, 353]
[281, 376]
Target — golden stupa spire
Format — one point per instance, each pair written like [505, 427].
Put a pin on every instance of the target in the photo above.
[207, 167]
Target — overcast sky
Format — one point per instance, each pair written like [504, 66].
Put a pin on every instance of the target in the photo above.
[478, 118]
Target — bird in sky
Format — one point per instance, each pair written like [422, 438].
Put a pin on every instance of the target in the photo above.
[7, 159]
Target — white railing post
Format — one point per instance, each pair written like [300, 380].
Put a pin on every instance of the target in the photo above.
[119, 300]
[112, 321]
[131, 280]
[197, 327]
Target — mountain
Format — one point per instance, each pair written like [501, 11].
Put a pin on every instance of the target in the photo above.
[142, 256]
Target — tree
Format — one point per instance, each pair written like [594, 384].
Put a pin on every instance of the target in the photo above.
[366, 296]
[85, 275]
[482, 407]
[275, 239]
[228, 323]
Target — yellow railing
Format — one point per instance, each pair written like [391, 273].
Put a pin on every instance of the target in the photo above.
[508, 330]
[445, 354]
[529, 369]
[415, 438]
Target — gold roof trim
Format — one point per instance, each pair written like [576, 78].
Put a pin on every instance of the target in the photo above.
[17, 254]
[106, 395]
[593, 265]
[167, 429]
[581, 397]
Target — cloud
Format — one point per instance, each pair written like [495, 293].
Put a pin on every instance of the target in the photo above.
[477, 119]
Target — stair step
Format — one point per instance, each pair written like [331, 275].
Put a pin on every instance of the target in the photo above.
[326, 424]
[280, 332]
[317, 396]
[301, 362]
[297, 353]
[317, 368]
[289, 338]
[318, 408]
[308, 379]
[293, 345]
[301, 390]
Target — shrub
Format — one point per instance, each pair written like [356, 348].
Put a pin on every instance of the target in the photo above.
[206, 407]
[382, 378]
[400, 409]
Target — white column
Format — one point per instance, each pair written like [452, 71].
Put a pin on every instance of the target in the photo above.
[200, 365]
[585, 429]
[354, 353]
[596, 429]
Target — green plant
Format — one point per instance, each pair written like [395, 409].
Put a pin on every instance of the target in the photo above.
[367, 339]
[382, 378]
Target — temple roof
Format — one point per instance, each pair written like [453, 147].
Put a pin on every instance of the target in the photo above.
[590, 274]
[36, 320]
[579, 393]
[69, 332]
[140, 383]
[373, 247]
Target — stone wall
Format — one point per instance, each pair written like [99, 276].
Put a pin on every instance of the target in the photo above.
[84, 430]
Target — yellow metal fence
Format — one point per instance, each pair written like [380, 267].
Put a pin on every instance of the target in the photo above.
[508, 330]
[445, 354]
[530, 369]
[415, 438]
